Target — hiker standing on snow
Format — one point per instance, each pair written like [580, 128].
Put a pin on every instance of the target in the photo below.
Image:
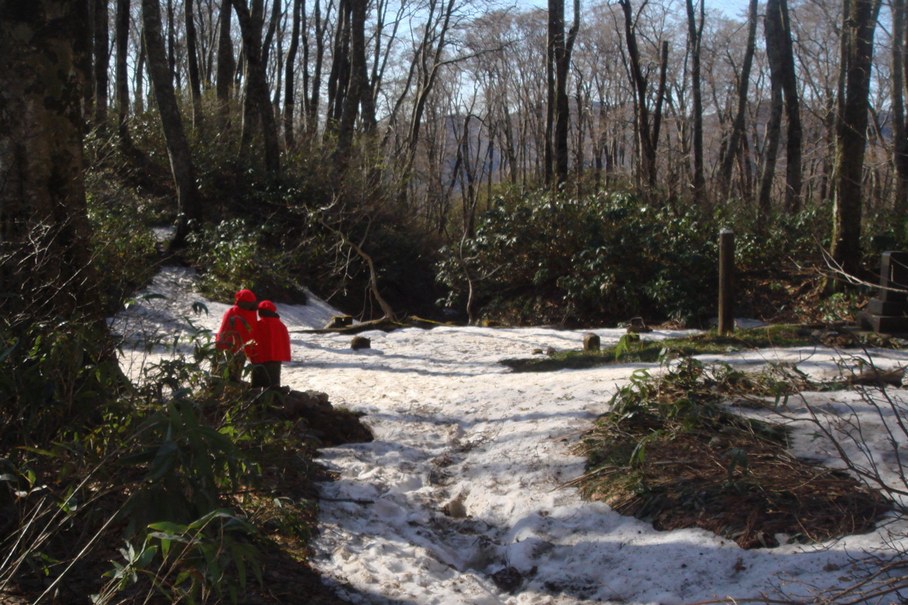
[271, 348]
[235, 332]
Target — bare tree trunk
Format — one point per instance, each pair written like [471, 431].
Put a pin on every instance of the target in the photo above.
[793, 149]
[657, 112]
[85, 60]
[560, 55]
[314, 98]
[339, 77]
[859, 24]
[101, 61]
[555, 29]
[427, 64]
[181, 165]
[258, 103]
[774, 29]
[226, 65]
[737, 130]
[647, 133]
[138, 78]
[694, 36]
[122, 83]
[135, 155]
[773, 135]
[899, 130]
[289, 82]
[272, 28]
[358, 90]
[195, 84]
[45, 268]
[172, 45]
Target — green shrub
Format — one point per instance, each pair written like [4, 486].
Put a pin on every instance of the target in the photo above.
[121, 238]
[604, 257]
[54, 376]
[232, 254]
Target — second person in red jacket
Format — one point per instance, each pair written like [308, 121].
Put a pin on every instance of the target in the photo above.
[271, 348]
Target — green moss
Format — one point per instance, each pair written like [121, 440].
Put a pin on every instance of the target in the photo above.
[640, 350]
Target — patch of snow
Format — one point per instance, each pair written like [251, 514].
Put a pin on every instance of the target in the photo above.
[461, 499]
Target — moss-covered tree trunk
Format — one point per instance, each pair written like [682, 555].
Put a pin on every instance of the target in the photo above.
[52, 330]
[44, 229]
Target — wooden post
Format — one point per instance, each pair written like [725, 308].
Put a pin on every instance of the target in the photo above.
[726, 281]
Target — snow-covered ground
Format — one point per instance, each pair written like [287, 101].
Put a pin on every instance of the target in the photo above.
[461, 498]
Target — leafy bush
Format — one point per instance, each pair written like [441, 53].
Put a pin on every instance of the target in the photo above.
[189, 561]
[232, 255]
[604, 257]
[765, 247]
[121, 238]
[53, 376]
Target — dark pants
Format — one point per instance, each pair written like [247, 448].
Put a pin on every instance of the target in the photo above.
[267, 375]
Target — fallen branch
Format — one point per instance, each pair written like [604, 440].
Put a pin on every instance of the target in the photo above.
[384, 324]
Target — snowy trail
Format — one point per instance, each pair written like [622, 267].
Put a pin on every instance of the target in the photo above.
[460, 498]
[462, 485]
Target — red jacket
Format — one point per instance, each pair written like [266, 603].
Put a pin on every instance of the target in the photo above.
[238, 323]
[272, 340]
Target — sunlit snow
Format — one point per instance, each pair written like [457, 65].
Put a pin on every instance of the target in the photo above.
[464, 482]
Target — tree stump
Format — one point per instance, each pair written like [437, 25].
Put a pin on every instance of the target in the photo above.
[360, 342]
[636, 325]
[591, 342]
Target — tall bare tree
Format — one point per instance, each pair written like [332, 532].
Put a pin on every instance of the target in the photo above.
[101, 60]
[121, 32]
[558, 55]
[226, 64]
[357, 90]
[899, 82]
[192, 59]
[784, 87]
[647, 128]
[45, 251]
[423, 74]
[732, 147]
[312, 81]
[181, 164]
[258, 113]
[289, 80]
[695, 37]
[171, 38]
[858, 26]
[773, 32]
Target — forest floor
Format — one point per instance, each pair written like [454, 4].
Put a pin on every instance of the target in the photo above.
[694, 486]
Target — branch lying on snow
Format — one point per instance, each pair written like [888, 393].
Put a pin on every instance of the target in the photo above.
[384, 324]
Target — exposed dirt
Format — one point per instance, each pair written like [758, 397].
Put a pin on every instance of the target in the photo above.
[669, 452]
[688, 484]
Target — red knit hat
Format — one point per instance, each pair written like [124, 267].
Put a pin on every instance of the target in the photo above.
[244, 296]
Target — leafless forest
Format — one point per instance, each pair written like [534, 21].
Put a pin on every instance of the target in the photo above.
[791, 104]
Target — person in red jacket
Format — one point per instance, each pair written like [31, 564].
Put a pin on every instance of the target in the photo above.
[271, 347]
[237, 326]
